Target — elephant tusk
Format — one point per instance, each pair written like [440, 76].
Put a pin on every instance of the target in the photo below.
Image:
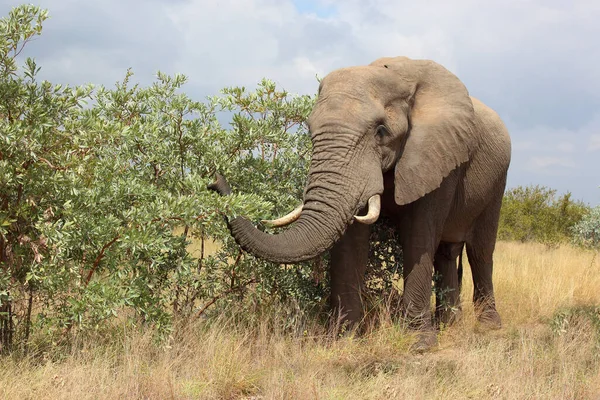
[285, 220]
[373, 211]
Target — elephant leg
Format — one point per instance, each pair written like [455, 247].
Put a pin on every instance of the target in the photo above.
[420, 232]
[416, 299]
[448, 286]
[480, 249]
[349, 258]
[417, 274]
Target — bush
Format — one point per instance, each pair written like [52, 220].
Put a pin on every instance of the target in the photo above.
[99, 204]
[587, 231]
[535, 213]
[573, 318]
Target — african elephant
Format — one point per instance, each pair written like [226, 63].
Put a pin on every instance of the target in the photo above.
[403, 138]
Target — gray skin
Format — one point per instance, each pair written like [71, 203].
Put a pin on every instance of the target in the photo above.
[409, 131]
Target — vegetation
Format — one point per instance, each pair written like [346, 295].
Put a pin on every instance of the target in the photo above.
[587, 231]
[99, 202]
[536, 213]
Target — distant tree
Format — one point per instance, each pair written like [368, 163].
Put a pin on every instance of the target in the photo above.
[536, 213]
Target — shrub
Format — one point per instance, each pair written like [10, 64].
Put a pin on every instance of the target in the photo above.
[99, 204]
[536, 213]
[587, 231]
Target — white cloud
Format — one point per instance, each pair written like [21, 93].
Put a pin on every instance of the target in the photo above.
[565, 147]
[594, 143]
[231, 42]
[545, 163]
[521, 145]
[544, 139]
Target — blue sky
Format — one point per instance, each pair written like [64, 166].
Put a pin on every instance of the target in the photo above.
[319, 8]
[534, 61]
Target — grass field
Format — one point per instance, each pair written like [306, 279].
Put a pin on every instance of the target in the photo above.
[536, 355]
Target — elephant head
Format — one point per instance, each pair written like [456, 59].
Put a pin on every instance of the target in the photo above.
[413, 116]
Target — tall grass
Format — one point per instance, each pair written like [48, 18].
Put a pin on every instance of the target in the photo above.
[546, 350]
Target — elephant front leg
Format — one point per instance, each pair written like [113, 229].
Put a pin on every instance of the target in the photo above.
[349, 258]
[447, 309]
[416, 299]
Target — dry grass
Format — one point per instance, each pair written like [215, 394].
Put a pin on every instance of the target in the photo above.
[524, 360]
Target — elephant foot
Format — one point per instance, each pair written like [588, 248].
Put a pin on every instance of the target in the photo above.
[426, 340]
[490, 319]
[420, 324]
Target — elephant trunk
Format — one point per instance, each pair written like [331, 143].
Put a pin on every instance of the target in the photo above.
[320, 225]
[335, 192]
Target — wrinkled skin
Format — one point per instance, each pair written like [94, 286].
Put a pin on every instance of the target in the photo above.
[409, 131]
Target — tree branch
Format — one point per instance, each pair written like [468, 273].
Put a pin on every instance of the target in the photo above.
[99, 258]
[51, 165]
[221, 295]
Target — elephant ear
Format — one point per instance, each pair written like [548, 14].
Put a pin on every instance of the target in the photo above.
[441, 132]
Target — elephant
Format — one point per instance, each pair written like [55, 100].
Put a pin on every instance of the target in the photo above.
[402, 138]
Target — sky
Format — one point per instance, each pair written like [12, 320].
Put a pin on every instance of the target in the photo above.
[533, 61]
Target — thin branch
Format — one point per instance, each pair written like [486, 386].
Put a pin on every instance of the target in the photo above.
[139, 147]
[51, 165]
[99, 258]
[237, 261]
[181, 147]
[201, 259]
[221, 295]
[229, 291]
[18, 51]
[89, 277]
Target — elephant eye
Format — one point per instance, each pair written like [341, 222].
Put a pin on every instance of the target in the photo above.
[381, 131]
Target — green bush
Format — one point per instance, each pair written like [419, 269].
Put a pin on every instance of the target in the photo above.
[586, 232]
[572, 320]
[536, 213]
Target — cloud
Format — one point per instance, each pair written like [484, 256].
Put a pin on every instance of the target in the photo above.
[521, 145]
[594, 143]
[545, 163]
[565, 147]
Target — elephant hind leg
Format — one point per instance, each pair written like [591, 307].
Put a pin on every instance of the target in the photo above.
[448, 308]
[480, 248]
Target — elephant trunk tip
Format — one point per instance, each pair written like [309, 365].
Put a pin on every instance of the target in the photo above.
[220, 185]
